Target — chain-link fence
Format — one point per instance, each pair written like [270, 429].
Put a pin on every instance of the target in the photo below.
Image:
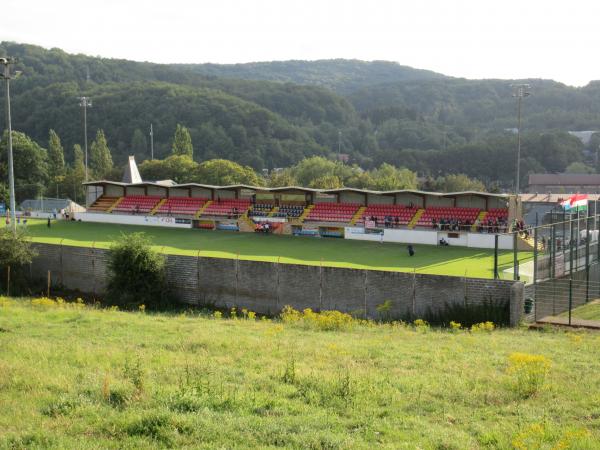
[565, 284]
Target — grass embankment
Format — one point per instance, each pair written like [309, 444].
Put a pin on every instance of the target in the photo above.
[458, 261]
[76, 377]
[590, 311]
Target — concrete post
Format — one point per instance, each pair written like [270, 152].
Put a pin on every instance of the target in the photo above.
[516, 303]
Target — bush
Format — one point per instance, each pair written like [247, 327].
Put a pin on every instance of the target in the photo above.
[16, 252]
[528, 371]
[137, 274]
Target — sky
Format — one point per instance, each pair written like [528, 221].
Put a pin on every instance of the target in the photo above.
[465, 38]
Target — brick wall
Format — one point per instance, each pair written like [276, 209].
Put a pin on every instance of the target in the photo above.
[267, 287]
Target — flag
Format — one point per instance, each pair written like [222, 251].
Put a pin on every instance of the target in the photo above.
[579, 202]
[575, 203]
[566, 204]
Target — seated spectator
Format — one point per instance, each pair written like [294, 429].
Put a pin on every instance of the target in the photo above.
[397, 222]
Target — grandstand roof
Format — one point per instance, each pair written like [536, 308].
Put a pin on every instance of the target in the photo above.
[299, 188]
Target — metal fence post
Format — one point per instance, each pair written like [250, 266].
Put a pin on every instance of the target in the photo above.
[553, 252]
[496, 275]
[587, 259]
[570, 298]
[515, 257]
[571, 249]
[535, 255]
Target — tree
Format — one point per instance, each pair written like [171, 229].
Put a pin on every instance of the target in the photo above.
[137, 274]
[56, 156]
[75, 176]
[182, 142]
[222, 172]
[282, 178]
[178, 168]
[326, 182]
[56, 160]
[101, 161]
[16, 252]
[457, 183]
[388, 178]
[139, 145]
[30, 165]
[579, 167]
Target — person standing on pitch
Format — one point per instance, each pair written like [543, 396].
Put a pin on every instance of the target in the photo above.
[411, 250]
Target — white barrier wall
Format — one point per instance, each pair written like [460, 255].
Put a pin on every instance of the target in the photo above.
[431, 237]
[155, 221]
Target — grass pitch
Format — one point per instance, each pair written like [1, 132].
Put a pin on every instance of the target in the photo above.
[81, 378]
[458, 261]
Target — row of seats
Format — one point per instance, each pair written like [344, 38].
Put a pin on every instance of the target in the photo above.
[497, 213]
[137, 204]
[438, 213]
[181, 206]
[261, 209]
[380, 212]
[231, 207]
[290, 211]
[103, 203]
[333, 212]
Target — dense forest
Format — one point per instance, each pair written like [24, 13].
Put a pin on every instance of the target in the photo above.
[276, 114]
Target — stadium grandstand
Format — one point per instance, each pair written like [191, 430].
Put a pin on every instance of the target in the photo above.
[297, 210]
[411, 209]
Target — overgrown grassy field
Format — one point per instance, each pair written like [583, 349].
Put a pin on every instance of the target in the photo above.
[457, 261]
[77, 377]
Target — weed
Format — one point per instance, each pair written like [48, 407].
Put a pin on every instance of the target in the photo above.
[483, 326]
[135, 374]
[325, 320]
[289, 373]
[529, 372]
[455, 326]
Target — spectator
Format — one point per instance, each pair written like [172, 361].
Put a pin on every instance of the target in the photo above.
[411, 250]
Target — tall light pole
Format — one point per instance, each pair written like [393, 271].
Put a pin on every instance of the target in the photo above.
[151, 142]
[85, 102]
[519, 91]
[6, 76]
[339, 145]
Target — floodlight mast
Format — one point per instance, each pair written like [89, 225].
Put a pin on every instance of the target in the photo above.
[519, 91]
[6, 76]
[85, 102]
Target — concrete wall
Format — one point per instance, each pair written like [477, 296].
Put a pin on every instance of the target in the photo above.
[157, 191]
[352, 197]
[157, 221]
[380, 199]
[470, 201]
[433, 200]
[199, 192]
[407, 199]
[136, 190]
[267, 287]
[431, 237]
[174, 192]
[114, 191]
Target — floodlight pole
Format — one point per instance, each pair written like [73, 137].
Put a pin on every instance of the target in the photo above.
[520, 91]
[151, 142]
[84, 103]
[7, 62]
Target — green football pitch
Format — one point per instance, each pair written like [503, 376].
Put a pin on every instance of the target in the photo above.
[458, 261]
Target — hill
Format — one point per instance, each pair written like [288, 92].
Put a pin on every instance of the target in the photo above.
[103, 378]
[273, 114]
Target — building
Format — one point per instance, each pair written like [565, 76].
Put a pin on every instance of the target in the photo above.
[564, 183]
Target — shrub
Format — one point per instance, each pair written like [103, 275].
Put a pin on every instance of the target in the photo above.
[136, 274]
[528, 371]
[483, 326]
[324, 320]
[16, 252]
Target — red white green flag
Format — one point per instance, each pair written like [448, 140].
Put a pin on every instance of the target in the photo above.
[575, 203]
